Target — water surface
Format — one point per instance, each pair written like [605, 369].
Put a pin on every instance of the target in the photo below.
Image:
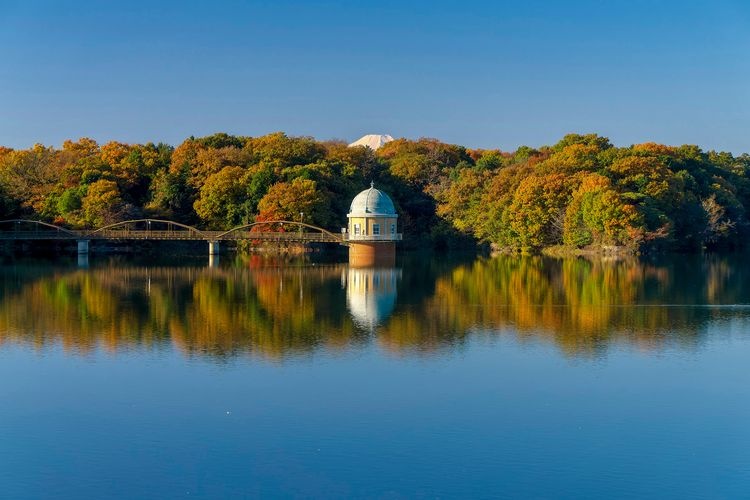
[506, 377]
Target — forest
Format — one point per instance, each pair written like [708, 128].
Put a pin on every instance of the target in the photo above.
[580, 193]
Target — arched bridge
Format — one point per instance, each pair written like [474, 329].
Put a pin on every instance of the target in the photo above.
[157, 229]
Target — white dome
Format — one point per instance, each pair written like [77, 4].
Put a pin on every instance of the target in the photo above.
[372, 202]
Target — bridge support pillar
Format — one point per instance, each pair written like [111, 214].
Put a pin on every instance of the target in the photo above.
[83, 247]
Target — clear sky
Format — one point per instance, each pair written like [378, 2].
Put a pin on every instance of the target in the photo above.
[477, 73]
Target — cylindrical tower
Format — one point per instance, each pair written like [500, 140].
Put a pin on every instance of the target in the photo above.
[372, 232]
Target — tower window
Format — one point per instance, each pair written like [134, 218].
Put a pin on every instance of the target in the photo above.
[376, 229]
[357, 229]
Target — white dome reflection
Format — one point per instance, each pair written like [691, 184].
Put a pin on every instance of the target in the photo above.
[371, 294]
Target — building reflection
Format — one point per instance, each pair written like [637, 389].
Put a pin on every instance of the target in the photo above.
[371, 294]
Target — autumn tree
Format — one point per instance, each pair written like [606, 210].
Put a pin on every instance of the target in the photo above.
[580, 191]
[718, 226]
[29, 176]
[102, 203]
[536, 213]
[287, 200]
[222, 199]
[597, 214]
[285, 151]
[462, 203]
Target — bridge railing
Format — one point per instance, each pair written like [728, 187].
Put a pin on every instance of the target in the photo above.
[155, 229]
[38, 235]
[372, 237]
[281, 236]
[122, 234]
[132, 234]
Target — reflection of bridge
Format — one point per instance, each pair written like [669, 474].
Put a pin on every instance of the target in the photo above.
[155, 229]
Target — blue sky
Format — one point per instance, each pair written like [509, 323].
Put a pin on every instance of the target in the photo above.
[481, 74]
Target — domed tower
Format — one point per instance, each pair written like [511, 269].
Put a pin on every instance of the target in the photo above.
[372, 231]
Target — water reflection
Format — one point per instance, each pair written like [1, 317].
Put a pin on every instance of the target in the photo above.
[371, 294]
[426, 306]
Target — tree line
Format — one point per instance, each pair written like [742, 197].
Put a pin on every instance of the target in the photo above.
[581, 192]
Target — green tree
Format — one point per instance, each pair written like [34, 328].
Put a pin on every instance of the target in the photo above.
[172, 197]
[102, 203]
[222, 200]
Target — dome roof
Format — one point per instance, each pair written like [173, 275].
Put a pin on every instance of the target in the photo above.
[372, 202]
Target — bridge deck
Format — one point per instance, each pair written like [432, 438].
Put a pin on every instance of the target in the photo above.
[119, 234]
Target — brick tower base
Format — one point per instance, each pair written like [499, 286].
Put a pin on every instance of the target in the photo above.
[367, 254]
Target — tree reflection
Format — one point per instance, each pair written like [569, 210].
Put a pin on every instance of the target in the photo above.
[581, 305]
[281, 310]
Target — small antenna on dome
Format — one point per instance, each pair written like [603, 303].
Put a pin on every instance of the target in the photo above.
[372, 184]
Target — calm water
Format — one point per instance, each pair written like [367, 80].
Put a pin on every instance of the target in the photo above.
[507, 377]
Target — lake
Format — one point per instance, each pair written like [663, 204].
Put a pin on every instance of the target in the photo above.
[518, 377]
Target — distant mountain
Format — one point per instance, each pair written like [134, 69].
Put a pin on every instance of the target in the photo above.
[374, 141]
